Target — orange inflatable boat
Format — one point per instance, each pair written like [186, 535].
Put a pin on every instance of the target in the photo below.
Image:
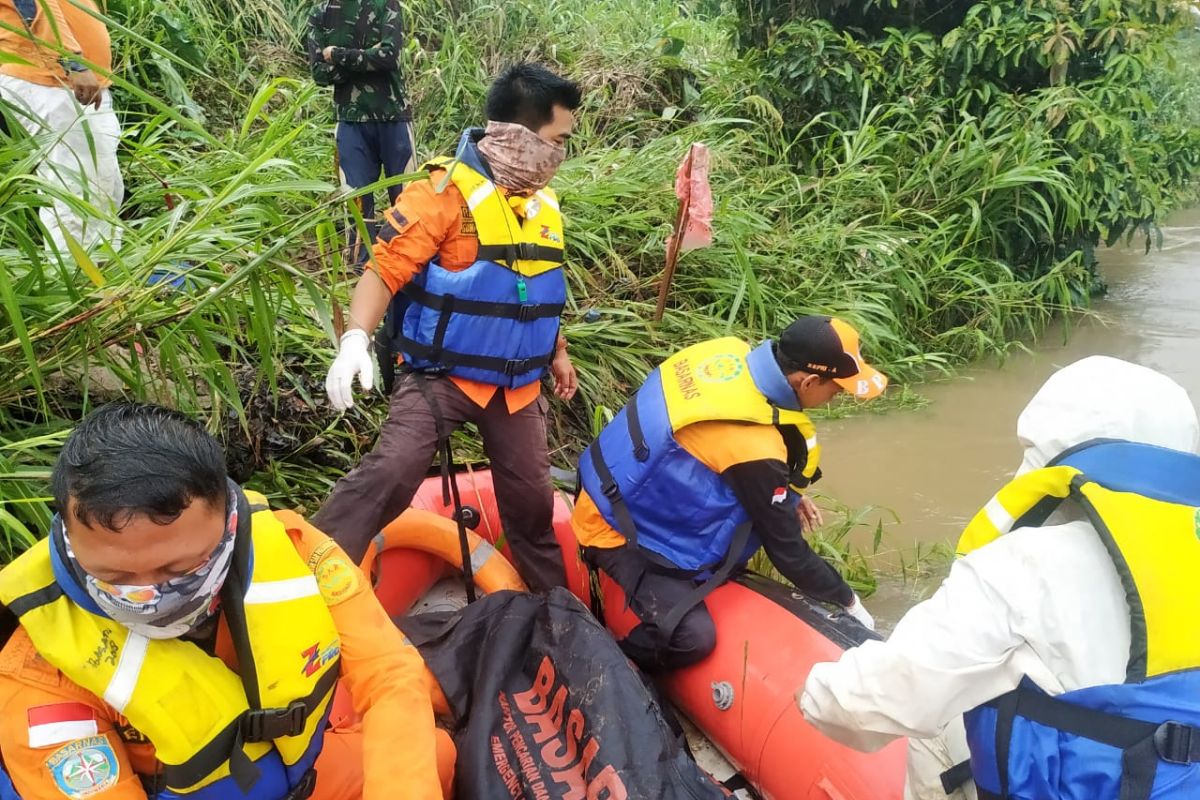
[741, 697]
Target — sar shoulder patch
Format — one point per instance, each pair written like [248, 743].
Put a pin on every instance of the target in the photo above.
[84, 767]
[337, 578]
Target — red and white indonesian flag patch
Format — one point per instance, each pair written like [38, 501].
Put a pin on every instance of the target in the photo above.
[60, 722]
[779, 496]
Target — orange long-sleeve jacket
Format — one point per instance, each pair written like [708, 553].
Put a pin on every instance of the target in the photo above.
[64, 24]
[425, 223]
[385, 676]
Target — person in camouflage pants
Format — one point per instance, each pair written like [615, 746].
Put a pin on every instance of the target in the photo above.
[354, 46]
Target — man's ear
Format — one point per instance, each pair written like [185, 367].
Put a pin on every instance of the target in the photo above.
[803, 380]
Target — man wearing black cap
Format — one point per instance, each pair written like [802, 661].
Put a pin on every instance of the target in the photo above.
[707, 462]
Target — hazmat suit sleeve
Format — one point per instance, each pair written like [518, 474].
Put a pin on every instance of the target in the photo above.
[947, 655]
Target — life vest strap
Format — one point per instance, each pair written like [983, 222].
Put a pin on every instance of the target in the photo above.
[956, 776]
[227, 745]
[447, 304]
[612, 491]
[305, 787]
[666, 627]
[509, 254]
[640, 450]
[1143, 743]
[450, 487]
[511, 367]
[35, 599]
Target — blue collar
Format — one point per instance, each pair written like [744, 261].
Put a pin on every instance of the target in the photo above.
[769, 378]
[468, 152]
[65, 577]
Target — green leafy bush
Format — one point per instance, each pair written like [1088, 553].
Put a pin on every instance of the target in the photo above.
[856, 172]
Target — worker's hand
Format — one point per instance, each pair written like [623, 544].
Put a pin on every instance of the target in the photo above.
[353, 358]
[86, 87]
[860, 613]
[566, 382]
[327, 54]
[810, 515]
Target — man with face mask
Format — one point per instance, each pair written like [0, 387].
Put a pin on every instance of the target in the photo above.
[173, 637]
[1066, 632]
[707, 462]
[473, 257]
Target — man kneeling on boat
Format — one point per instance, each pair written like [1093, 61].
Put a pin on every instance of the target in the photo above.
[174, 637]
[707, 462]
[1065, 637]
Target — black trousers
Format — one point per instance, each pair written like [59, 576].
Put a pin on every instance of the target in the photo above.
[383, 485]
[651, 595]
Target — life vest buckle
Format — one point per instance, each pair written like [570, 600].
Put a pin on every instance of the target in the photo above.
[268, 724]
[516, 366]
[522, 251]
[527, 313]
[1177, 743]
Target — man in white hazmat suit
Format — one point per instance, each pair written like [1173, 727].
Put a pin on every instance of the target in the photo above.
[1044, 603]
[55, 67]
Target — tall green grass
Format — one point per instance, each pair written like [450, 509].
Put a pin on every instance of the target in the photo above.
[895, 220]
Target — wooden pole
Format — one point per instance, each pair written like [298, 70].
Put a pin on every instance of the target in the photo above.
[672, 255]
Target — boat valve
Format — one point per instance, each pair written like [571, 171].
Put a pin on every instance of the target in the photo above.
[470, 517]
[722, 695]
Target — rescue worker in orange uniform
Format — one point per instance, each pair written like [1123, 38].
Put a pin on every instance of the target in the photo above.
[470, 263]
[175, 638]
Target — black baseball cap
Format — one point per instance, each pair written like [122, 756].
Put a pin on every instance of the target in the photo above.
[830, 347]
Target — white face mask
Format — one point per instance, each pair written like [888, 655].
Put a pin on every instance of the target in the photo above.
[165, 610]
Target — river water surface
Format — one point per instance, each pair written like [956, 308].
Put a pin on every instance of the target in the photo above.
[935, 466]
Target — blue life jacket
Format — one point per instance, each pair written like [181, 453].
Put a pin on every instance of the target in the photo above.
[1139, 740]
[7, 791]
[660, 496]
[496, 321]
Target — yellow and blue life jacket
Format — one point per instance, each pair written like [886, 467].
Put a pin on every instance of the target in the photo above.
[253, 735]
[660, 496]
[1139, 740]
[497, 320]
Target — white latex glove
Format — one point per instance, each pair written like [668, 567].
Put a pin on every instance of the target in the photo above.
[353, 358]
[860, 613]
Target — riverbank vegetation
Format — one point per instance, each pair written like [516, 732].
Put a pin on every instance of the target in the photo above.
[940, 176]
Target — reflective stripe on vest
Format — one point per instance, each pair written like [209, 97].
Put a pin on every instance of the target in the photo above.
[496, 321]
[657, 494]
[1133, 740]
[192, 708]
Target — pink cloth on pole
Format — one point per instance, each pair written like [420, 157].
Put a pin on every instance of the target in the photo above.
[692, 189]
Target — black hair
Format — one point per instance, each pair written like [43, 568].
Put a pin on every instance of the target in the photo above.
[786, 365]
[526, 93]
[789, 366]
[126, 460]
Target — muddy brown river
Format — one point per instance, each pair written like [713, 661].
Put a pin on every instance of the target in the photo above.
[935, 466]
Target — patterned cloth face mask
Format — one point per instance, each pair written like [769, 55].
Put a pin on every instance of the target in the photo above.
[521, 161]
[165, 610]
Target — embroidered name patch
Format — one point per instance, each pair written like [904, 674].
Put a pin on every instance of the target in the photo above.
[84, 767]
